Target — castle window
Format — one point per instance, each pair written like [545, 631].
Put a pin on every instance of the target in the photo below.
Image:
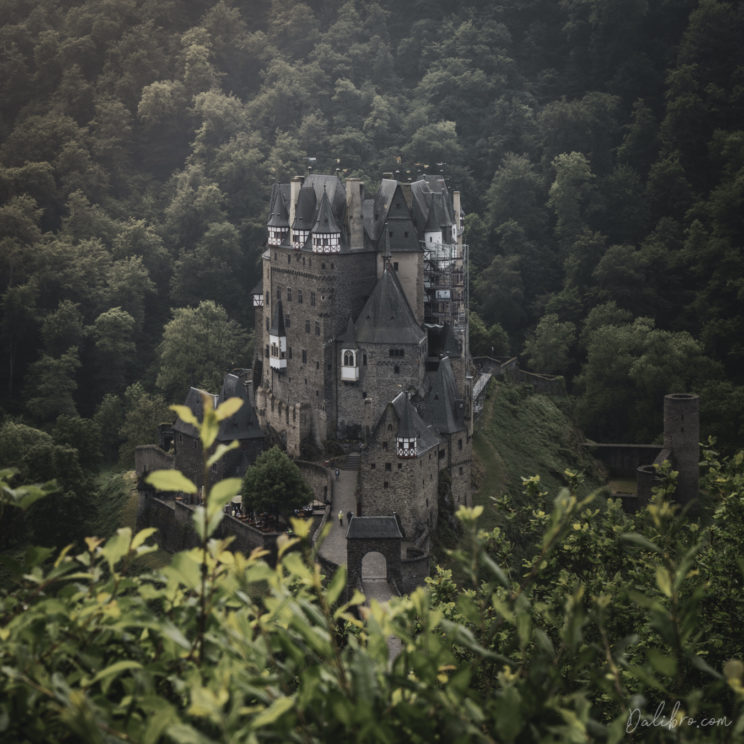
[268, 295]
[317, 328]
[333, 266]
[278, 294]
[364, 360]
[460, 470]
[395, 265]
[459, 444]
[386, 485]
[390, 233]
[390, 427]
[397, 352]
[441, 454]
[322, 265]
[388, 467]
[384, 445]
[372, 466]
[289, 294]
[317, 365]
[349, 358]
[299, 296]
[405, 234]
[286, 321]
[266, 352]
[396, 369]
[312, 299]
[304, 358]
[267, 324]
[276, 256]
[307, 326]
[400, 466]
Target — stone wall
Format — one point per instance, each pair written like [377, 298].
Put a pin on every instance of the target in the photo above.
[319, 478]
[405, 486]
[149, 457]
[623, 460]
[173, 520]
[413, 573]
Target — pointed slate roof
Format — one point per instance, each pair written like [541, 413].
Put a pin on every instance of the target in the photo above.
[386, 317]
[348, 337]
[278, 211]
[305, 209]
[326, 222]
[277, 320]
[243, 424]
[441, 406]
[410, 422]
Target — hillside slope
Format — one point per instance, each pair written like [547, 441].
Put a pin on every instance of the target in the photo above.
[519, 434]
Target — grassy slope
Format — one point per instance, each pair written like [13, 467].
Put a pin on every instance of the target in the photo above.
[520, 434]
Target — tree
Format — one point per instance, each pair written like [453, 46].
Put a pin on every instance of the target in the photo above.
[549, 348]
[199, 345]
[51, 385]
[143, 413]
[274, 484]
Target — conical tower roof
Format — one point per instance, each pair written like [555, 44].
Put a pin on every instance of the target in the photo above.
[278, 213]
[386, 317]
[326, 222]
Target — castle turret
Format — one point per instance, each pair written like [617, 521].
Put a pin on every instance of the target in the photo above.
[326, 232]
[405, 440]
[278, 339]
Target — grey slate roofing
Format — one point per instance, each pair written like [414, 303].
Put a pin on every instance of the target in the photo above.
[373, 528]
[386, 317]
[441, 406]
[278, 209]
[277, 320]
[243, 424]
[305, 209]
[426, 437]
[348, 337]
[326, 222]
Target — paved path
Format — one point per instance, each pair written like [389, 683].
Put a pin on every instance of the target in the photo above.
[380, 590]
[344, 499]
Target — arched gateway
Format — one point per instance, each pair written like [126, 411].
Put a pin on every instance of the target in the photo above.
[368, 535]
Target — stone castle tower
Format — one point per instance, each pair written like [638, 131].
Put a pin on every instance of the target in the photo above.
[361, 335]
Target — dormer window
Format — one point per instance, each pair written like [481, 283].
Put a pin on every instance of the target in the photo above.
[349, 366]
[299, 237]
[277, 235]
[326, 242]
[258, 300]
[406, 447]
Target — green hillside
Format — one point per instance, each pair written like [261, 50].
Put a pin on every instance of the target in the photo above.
[520, 434]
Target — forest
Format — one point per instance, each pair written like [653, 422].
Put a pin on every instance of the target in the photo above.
[598, 146]
[599, 149]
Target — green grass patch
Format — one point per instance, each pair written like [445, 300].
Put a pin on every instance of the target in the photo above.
[520, 434]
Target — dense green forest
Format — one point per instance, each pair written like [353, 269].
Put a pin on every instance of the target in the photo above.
[598, 144]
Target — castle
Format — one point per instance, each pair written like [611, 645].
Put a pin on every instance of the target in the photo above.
[361, 331]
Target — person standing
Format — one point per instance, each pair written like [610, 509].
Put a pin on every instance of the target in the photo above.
[340, 518]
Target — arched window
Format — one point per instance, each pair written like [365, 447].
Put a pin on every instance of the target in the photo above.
[349, 358]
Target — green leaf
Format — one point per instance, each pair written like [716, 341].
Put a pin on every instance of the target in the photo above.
[117, 547]
[222, 492]
[114, 669]
[664, 581]
[186, 415]
[170, 480]
[641, 541]
[221, 450]
[277, 709]
[337, 585]
[228, 408]
[662, 663]
[141, 536]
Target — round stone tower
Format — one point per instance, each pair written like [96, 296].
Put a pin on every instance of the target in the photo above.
[681, 440]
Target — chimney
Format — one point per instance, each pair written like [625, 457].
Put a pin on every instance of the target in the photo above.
[294, 195]
[355, 221]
